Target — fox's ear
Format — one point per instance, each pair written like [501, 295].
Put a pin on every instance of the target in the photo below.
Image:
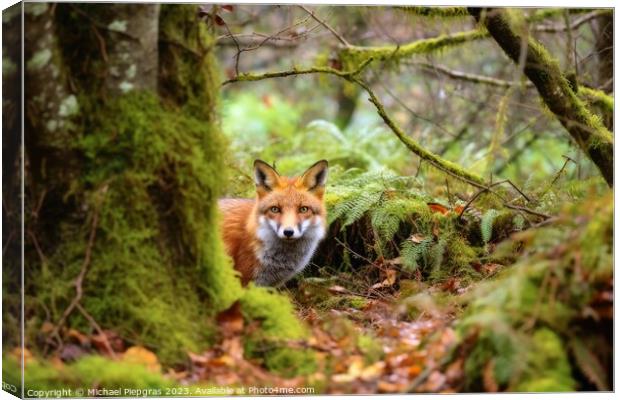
[315, 177]
[265, 177]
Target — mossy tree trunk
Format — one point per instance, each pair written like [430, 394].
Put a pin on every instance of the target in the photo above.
[125, 178]
[132, 55]
[544, 72]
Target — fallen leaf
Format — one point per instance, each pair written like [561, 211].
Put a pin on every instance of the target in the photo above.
[114, 340]
[417, 238]
[336, 289]
[78, 337]
[389, 281]
[230, 321]
[140, 355]
[438, 208]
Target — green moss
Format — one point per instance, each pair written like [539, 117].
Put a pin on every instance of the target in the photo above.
[274, 311]
[370, 347]
[440, 12]
[187, 74]
[340, 302]
[597, 97]
[160, 159]
[87, 372]
[355, 55]
[278, 323]
[548, 367]
[290, 362]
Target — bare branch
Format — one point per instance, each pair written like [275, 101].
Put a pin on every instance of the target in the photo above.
[576, 24]
[329, 28]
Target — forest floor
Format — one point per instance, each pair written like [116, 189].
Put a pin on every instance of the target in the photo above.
[365, 341]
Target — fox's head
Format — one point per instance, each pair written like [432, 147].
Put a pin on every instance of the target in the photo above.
[290, 208]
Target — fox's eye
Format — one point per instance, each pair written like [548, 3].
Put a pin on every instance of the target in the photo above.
[303, 209]
[275, 209]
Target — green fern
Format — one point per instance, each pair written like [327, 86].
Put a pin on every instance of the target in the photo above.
[436, 258]
[387, 218]
[412, 253]
[486, 224]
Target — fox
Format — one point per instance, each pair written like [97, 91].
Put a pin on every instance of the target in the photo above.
[272, 237]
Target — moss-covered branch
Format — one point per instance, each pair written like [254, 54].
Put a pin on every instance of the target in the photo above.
[544, 72]
[352, 76]
[440, 12]
[597, 97]
[357, 54]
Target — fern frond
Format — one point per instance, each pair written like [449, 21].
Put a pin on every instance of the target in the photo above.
[412, 253]
[486, 224]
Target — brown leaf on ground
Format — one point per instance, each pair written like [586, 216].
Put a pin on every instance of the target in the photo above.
[16, 353]
[389, 281]
[77, 337]
[140, 355]
[114, 340]
[230, 321]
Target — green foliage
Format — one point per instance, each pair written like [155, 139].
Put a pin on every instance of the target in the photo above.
[87, 372]
[370, 347]
[414, 254]
[391, 214]
[278, 322]
[520, 321]
[486, 224]
[273, 130]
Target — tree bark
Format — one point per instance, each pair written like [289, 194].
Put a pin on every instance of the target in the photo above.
[49, 104]
[133, 54]
[544, 72]
[605, 51]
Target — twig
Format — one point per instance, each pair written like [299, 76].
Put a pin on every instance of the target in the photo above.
[329, 28]
[505, 203]
[528, 210]
[238, 54]
[95, 325]
[8, 241]
[80, 278]
[349, 75]
[464, 76]
[36, 246]
[406, 107]
[557, 175]
[576, 24]
[473, 198]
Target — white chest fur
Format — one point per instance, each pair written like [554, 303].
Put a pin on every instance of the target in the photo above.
[282, 259]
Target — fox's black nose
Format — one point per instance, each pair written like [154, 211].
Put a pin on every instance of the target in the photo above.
[288, 232]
